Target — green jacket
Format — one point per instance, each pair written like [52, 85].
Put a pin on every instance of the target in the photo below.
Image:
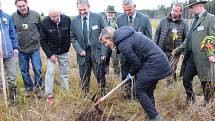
[96, 24]
[204, 27]
[27, 28]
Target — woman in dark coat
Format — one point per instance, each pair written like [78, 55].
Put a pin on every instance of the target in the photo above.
[148, 63]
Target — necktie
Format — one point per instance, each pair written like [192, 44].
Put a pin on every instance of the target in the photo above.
[85, 31]
[190, 34]
[130, 19]
[196, 18]
[108, 22]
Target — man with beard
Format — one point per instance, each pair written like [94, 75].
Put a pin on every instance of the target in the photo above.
[171, 32]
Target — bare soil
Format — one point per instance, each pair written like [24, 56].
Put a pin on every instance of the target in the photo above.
[97, 114]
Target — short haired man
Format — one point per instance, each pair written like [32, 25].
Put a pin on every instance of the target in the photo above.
[85, 31]
[171, 32]
[141, 24]
[27, 23]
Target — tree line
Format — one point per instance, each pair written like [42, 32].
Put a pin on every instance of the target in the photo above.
[162, 10]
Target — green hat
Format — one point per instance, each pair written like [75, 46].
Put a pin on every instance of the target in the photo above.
[111, 9]
[193, 2]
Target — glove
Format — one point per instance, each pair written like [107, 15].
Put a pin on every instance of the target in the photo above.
[130, 77]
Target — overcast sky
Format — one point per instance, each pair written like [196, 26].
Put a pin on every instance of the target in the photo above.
[69, 6]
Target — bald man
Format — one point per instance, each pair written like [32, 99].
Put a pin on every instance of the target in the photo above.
[55, 42]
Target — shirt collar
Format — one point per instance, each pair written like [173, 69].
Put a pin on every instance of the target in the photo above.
[201, 14]
[134, 15]
[88, 16]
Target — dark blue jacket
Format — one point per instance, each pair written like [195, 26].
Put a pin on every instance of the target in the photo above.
[142, 54]
[8, 35]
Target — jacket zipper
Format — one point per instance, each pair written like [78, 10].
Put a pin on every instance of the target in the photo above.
[5, 44]
[59, 36]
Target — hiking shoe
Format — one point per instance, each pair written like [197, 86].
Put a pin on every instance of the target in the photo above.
[50, 99]
[84, 92]
[38, 92]
[102, 92]
[29, 93]
[190, 100]
[12, 95]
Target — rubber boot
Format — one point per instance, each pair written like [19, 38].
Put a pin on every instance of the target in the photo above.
[12, 95]
[157, 118]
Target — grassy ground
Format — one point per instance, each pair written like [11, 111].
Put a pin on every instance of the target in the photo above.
[68, 106]
[170, 102]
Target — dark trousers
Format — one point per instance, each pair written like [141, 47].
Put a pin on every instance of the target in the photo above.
[124, 72]
[107, 61]
[189, 73]
[85, 72]
[144, 93]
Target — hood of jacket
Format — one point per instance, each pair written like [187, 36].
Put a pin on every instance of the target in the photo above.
[122, 33]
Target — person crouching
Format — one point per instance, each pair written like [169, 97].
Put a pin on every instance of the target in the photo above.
[148, 63]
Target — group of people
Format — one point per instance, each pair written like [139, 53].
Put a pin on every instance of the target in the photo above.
[125, 40]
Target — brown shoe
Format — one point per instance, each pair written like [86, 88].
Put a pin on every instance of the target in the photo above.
[38, 92]
[12, 95]
[29, 93]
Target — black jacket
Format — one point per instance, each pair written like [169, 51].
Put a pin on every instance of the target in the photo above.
[146, 59]
[55, 39]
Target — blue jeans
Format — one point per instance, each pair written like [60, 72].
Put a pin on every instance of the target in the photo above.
[24, 59]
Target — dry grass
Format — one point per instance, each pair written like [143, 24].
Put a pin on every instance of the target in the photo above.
[68, 106]
[170, 102]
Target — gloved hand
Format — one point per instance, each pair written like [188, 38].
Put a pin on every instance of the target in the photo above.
[129, 76]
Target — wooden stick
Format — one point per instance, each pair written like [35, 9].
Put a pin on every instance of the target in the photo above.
[2, 69]
[112, 91]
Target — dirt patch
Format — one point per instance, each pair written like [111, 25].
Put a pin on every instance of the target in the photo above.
[97, 115]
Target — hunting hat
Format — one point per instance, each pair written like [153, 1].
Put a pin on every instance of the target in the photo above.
[193, 2]
[110, 9]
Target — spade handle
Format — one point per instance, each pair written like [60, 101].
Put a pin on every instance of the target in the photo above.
[112, 91]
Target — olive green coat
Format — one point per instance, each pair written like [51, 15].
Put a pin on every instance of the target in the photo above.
[204, 27]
